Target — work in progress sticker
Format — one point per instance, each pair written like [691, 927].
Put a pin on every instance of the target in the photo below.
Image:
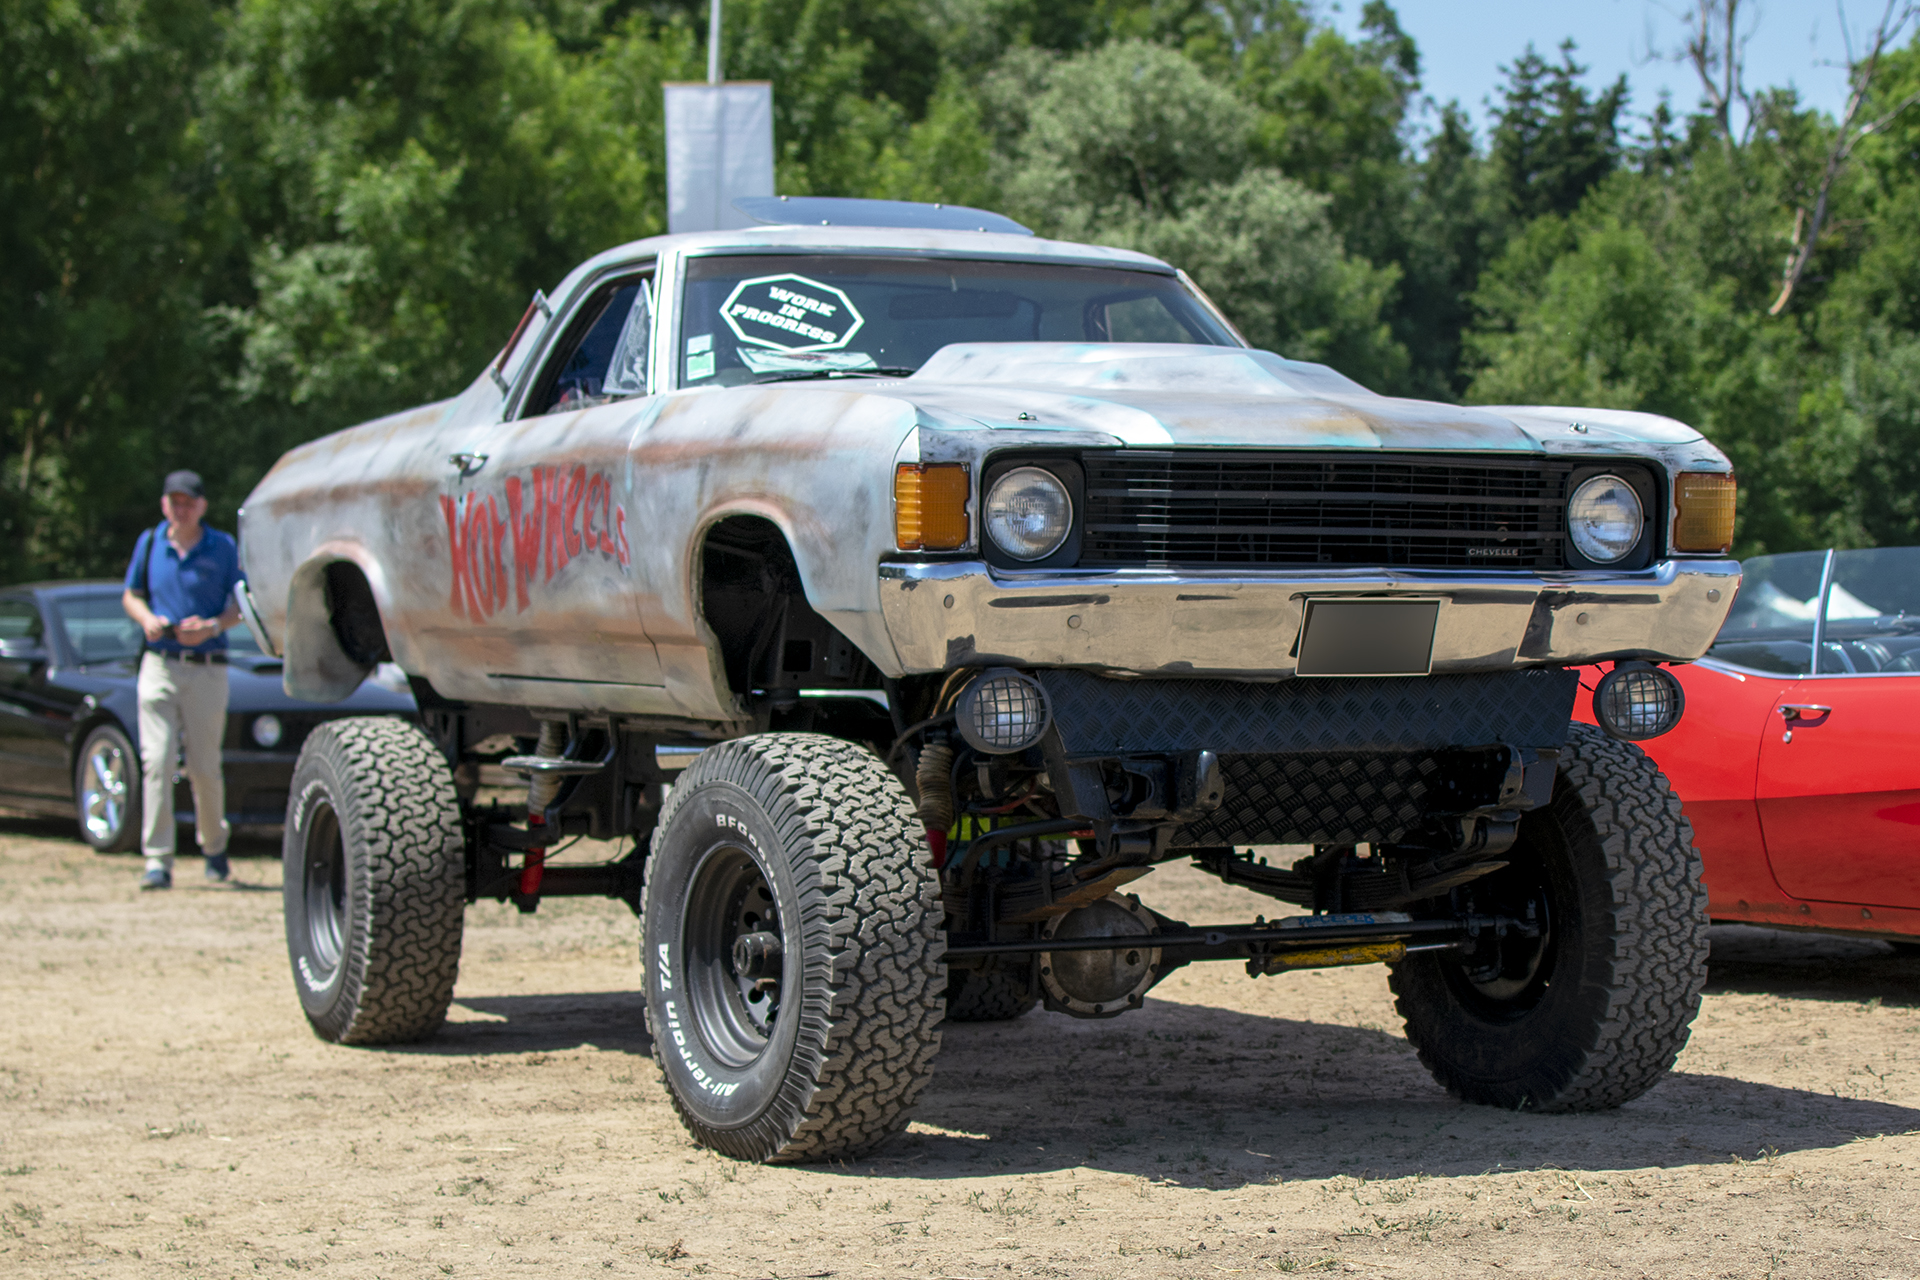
[790, 313]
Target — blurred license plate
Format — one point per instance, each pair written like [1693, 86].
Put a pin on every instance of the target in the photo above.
[1367, 637]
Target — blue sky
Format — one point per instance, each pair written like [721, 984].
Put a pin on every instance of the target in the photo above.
[1464, 43]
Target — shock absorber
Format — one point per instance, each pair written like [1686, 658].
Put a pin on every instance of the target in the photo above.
[933, 779]
[541, 789]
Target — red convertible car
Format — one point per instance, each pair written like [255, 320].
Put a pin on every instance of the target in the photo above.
[1798, 756]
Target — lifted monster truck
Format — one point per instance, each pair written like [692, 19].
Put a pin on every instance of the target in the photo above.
[905, 587]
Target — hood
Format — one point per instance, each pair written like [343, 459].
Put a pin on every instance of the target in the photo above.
[1147, 394]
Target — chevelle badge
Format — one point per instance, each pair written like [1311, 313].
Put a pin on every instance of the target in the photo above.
[791, 313]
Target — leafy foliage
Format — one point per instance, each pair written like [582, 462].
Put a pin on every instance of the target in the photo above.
[231, 225]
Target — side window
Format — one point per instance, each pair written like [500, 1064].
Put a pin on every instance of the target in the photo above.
[603, 355]
[1139, 319]
[19, 620]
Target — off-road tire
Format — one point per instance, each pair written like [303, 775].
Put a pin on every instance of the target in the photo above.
[375, 882]
[823, 837]
[989, 995]
[1619, 983]
[110, 752]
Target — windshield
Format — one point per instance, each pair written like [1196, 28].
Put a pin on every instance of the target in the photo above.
[764, 317]
[1872, 611]
[99, 629]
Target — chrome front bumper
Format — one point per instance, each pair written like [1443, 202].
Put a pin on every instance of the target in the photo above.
[958, 614]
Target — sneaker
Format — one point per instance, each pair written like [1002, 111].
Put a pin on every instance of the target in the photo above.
[158, 878]
[217, 869]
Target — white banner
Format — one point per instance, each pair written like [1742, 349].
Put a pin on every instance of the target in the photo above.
[719, 148]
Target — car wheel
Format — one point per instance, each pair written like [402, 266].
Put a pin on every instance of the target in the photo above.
[1588, 1005]
[106, 791]
[999, 994]
[375, 882]
[792, 949]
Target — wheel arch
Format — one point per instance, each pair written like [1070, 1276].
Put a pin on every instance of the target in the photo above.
[83, 729]
[747, 571]
[337, 603]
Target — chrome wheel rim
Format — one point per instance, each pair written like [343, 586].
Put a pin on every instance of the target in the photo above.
[105, 778]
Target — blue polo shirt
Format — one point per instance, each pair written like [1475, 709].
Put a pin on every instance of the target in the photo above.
[199, 583]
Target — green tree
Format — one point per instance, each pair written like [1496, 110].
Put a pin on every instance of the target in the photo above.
[1553, 141]
[112, 232]
[1133, 145]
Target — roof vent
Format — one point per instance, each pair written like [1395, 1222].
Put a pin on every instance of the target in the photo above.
[843, 211]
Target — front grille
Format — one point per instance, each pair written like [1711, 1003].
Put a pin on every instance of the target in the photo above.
[1241, 507]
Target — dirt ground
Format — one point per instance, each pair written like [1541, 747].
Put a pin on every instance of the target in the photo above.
[165, 1110]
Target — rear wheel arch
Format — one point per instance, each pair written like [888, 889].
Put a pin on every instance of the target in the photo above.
[336, 634]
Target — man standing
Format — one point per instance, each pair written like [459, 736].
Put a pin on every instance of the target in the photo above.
[180, 590]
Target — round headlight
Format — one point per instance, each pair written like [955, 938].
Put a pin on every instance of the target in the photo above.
[267, 730]
[1635, 702]
[1029, 513]
[1002, 711]
[1604, 519]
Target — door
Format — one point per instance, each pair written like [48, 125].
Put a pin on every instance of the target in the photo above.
[1839, 782]
[541, 604]
[1711, 759]
[33, 749]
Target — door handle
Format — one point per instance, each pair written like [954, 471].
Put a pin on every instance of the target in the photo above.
[1794, 712]
[467, 463]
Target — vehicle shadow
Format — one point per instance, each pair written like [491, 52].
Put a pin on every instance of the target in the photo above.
[247, 841]
[1812, 966]
[613, 1021]
[1198, 1095]
[1209, 1097]
[14, 822]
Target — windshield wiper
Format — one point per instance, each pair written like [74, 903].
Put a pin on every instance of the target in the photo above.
[805, 375]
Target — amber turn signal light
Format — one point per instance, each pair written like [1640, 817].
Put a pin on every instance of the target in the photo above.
[1703, 511]
[930, 506]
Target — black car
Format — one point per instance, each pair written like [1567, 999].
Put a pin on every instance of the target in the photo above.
[69, 715]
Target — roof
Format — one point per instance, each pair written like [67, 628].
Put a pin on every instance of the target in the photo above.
[66, 586]
[842, 211]
[1022, 246]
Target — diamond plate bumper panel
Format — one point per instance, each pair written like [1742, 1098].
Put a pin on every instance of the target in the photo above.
[1098, 716]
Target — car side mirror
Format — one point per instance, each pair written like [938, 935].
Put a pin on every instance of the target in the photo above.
[23, 649]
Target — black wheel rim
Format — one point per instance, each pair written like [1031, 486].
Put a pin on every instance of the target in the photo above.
[325, 896]
[1502, 976]
[728, 896]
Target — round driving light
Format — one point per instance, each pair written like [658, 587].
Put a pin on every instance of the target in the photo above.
[1604, 519]
[267, 730]
[1029, 513]
[1635, 702]
[1002, 712]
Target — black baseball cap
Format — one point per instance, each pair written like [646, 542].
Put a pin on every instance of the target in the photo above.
[187, 482]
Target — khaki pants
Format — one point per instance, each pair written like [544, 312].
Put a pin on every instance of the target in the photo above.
[182, 703]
